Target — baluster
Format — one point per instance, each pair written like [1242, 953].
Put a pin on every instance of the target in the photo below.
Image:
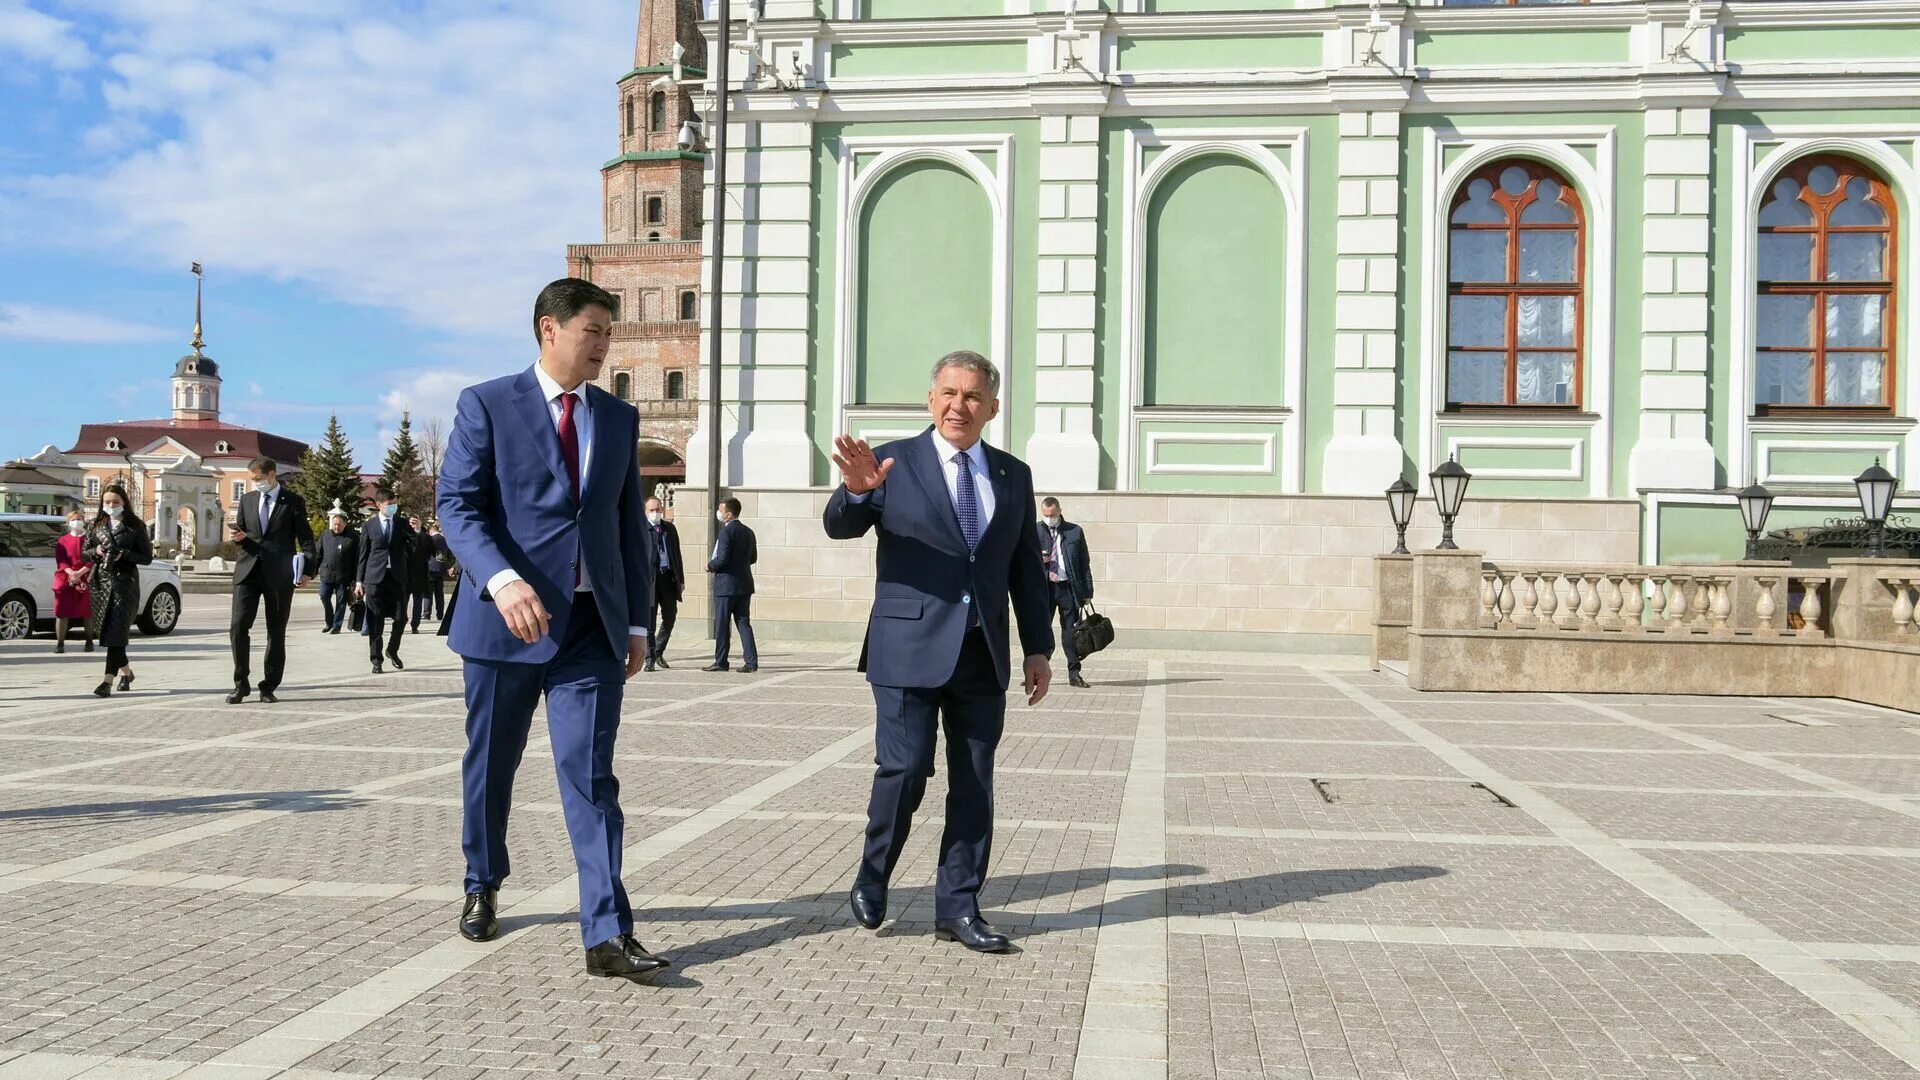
[1677, 603]
[1486, 598]
[1506, 601]
[1571, 609]
[1903, 604]
[1610, 600]
[1763, 606]
[1590, 601]
[1529, 599]
[1702, 601]
[1631, 600]
[1658, 603]
[1549, 599]
[1810, 606]
[1722, 588]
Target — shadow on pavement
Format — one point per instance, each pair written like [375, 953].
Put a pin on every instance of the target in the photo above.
[298, 802]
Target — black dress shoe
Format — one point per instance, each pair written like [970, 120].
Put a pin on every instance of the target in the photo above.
[376, 668]
[477, 920]
[973, 932]
[662, 661]
[714, 667]
[267, 697]
[869, 904]
[1075, 680]
[624, 958]
[394, 659]
[648, 666]
[335, 630]
[238, 696]
[749, 669]
[105, 689]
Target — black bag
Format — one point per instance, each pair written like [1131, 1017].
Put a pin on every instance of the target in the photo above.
[1093, 633]
[357, 618]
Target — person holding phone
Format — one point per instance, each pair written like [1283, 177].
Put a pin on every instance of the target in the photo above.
[957, 543]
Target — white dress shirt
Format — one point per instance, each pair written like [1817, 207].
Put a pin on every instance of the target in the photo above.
[976, 466]
[583, 430]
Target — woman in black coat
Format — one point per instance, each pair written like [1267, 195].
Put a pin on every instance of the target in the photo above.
[118, 546]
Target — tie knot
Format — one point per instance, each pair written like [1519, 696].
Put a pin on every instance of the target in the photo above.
[960, 457]
[567, 400]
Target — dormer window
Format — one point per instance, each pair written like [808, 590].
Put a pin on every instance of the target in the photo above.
[223, 447]
[113, 444]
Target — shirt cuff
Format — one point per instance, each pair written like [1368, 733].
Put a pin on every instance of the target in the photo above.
[637, 631]
[501, 580]
[860, 498]
[299, 565]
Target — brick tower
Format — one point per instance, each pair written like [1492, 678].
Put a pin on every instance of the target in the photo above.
[650, 259]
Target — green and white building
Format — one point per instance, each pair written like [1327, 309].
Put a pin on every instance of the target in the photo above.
[1239, 258]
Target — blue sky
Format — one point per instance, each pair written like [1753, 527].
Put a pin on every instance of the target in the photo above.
[376, 189]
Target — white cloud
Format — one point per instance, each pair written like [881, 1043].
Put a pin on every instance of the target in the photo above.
[432, 158]
[40, 38]
[423, 396]
[71, 326]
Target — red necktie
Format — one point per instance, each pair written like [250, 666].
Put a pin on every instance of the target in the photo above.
[570, 442]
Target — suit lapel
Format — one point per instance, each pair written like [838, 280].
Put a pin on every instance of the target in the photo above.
[925, 463]
[606, 443]
[531, 408]
[997, 476]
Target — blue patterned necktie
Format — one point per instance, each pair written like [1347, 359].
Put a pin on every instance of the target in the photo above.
[966, 502]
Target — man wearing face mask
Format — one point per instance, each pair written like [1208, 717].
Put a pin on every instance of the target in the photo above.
[386, 546]
[669, 584]
[339, 562]
[1063, 547]
[735, 550]
[274, 537]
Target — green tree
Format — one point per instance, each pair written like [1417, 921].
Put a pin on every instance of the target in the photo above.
[405, 474]
[328, 475]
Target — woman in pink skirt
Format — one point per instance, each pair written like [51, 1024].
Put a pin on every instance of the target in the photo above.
[72, 602]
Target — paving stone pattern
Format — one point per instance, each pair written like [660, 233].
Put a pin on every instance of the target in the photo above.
[1214, 867]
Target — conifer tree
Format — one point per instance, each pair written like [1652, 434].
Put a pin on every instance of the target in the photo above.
[327, 476]
[405, 474]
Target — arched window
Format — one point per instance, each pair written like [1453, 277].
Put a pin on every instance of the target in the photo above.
[689, 305]
[1825, 311]
[676, 385]
[629, 118]
[656, 209]
[623, 386]
[657, 114]
[1515, 305]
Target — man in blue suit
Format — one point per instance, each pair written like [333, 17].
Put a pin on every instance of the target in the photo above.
[735, 551]
[541, 502]
[957, 543]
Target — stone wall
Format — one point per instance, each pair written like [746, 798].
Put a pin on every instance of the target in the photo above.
[1261, 573]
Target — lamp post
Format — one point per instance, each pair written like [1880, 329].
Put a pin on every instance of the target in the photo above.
[1876, 487]
[1449, 491]
[1400, 499]
[1756, 503]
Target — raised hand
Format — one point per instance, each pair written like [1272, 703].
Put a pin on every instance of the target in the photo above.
[859, 470]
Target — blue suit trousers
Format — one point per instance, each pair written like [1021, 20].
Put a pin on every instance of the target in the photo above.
[583, 683]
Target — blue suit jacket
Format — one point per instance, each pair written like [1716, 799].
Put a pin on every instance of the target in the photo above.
[927, 579]
[735, 552]
[505, 501]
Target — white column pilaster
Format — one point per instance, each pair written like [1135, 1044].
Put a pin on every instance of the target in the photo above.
[1672, 450]
[1062, 450]
[1364, 456]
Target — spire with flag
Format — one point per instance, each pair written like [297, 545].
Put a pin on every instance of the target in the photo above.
[198, 278]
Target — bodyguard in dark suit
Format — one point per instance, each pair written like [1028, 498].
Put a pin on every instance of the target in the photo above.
[386, 550]
[957, 544]
[669, 584]
[339, 566]
[1063, 548]
[274, 537]
[420, 571]
[735, 550]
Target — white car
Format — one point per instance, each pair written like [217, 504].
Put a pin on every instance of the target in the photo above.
[26, 580]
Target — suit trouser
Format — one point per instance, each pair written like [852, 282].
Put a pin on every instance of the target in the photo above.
[583, 683]
[666, 604]
[1068, 606]
[437, 588]
[246, 607]
[728, 612]
[388, 601]
[335, 598]
[973, 709]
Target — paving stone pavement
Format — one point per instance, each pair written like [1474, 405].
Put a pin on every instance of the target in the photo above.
[1213, 867]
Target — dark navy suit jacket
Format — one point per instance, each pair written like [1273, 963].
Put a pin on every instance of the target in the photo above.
[927, 579]
[735, 551]
[505, 501]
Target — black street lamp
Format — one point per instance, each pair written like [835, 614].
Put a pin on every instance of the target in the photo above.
[1756, 503]
[1400, 504]
[1449, 491]
[1876, 487]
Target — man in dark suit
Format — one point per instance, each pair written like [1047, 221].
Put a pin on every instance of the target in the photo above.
[339, 563]
[541, 498]
[419, 571]
[1063, 547]
[274, 537]
[668, 584]
[957, 543]
[735, 550]
[437, 567]
[386, 546]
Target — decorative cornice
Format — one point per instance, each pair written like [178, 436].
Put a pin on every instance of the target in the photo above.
[663, 69]
[653, 155]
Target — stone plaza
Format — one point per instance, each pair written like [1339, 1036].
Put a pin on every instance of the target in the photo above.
[1213, 865]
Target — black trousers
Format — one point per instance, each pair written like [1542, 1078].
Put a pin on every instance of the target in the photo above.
[1069, 609]
[335, 598]
[666, 609]
[389, 600]
[730, 612]
[437, 588]
[247, 596]
[973, 710]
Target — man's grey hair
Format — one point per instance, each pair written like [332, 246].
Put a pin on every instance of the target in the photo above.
[968, 360]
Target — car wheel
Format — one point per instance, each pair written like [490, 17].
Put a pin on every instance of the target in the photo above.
[16, 616]
[163, 611]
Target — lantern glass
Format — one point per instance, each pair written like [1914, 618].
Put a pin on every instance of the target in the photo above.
[1449, 487]
[1876, 493]
[1756, 502]
[1400, 499]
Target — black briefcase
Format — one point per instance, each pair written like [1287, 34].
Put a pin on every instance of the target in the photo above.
[1094, 632]
[357, 617]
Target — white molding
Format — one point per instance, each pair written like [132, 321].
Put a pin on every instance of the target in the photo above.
[1157, 439]
[1255, 145]
[1575, 448]
[1764, 449]
[1751, 179]
[962, 152]
[1596, 182]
